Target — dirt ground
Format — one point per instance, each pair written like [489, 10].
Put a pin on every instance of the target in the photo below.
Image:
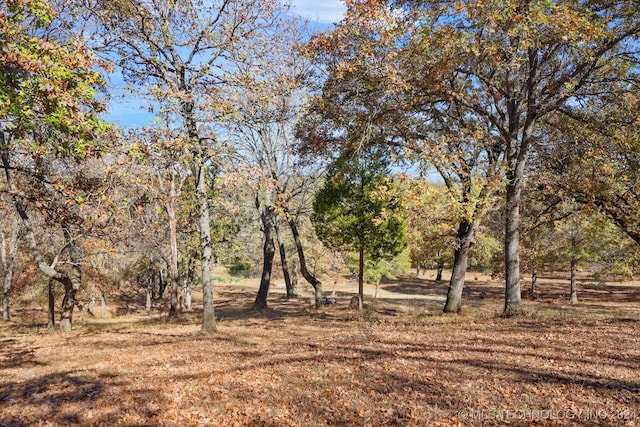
[400, 362]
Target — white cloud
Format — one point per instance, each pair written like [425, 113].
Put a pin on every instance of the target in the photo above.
[325, 11]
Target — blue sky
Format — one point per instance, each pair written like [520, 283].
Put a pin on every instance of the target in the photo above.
[128, 111]
[325, 11]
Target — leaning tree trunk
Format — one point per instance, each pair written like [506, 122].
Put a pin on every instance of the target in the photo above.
[313, 281]
[466, 238]
[574, 291]
[269, 251]
[292, 292]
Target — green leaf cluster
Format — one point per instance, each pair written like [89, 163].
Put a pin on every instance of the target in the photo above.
[358, 207]
[48, 88]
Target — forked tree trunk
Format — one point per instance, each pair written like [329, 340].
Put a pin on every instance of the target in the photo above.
[313, 281]
[269, 251]
[466, 238]
[573, 299]
[292, 292]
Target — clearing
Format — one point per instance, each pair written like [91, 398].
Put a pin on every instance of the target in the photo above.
[400, 362]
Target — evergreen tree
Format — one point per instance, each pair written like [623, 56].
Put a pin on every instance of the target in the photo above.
[357, 209]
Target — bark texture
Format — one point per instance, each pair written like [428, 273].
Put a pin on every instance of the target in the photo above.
[313, 281]
[292, 291]
[466, 238]
[269, 251]
[573, 299]
[204, 224]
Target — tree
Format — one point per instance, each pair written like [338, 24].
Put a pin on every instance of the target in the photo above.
[9, 239]
[162, 176]
[267, 97]
[505, 66]
[384, 78]
[357, 209]
[596, 163]
[49, 120]
[180, 54]
[429, 225]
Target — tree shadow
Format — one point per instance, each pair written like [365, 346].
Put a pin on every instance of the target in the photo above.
[65, 398]
[14, 355]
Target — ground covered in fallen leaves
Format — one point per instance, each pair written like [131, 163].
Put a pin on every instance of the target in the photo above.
[400, 362]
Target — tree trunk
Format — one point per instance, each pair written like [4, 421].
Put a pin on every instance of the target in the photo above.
[513, 299]
[162, 283]
[52, 304]
[313, 281]
[71, 283]
[361, 277]
[187, 297]
[92, 303]
[150, 283]
[8, 253]
[48, 269]
[206, 253]
[291, 291]
[269, 251]
[574, 291]
[294, 276]
[187, 285]
[103, 304]
[68, 302]
[466, 238]
[439, 270]
[170, 208]
[534, 281]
